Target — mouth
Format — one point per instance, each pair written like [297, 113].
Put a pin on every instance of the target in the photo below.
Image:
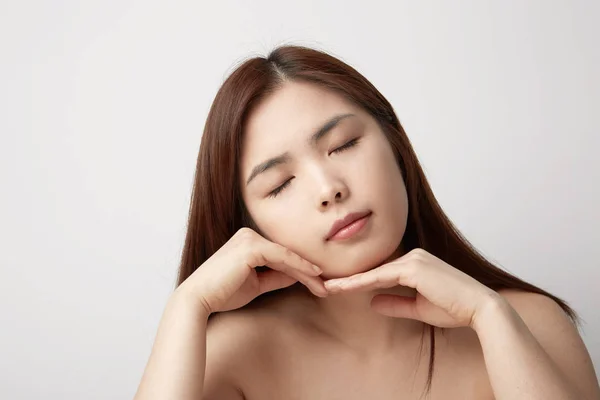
[348, 226]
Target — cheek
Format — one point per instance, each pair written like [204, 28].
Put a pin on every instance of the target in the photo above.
[291, 229]
[281, 221]
[396, 206]
[379, 172]
[386, 187]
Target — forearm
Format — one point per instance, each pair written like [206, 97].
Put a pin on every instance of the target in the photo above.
[177, 363]
[517, 365]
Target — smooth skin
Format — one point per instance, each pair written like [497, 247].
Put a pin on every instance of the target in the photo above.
[226, 281]
[362, 339]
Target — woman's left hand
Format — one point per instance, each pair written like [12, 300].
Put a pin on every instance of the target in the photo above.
[446, 297]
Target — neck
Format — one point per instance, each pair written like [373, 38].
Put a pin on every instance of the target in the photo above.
[347, 318]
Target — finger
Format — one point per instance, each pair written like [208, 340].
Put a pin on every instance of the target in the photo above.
[378, 278]
[281, 258]
[395, 306]
[273, 280]
[314, 283]
[316, 286]
[275, 253]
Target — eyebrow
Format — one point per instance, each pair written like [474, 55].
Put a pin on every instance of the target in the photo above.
[312, 141]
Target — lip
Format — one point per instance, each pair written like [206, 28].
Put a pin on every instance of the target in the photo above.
[344, 222]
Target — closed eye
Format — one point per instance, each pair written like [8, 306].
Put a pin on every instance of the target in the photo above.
[343, 147]
[346, 146]
[278, 190]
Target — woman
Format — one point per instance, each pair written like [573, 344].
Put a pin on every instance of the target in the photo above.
[319, 265]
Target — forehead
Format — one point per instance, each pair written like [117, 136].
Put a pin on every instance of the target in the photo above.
[289, 115]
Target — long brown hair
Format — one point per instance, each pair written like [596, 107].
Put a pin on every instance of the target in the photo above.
[217, 210]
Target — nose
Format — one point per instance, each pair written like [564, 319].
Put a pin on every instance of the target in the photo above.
[332, 191]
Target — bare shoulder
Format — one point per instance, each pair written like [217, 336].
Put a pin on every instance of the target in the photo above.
[542, 315]
[239, 344]
[558, 335]
[233, 343]
[545, 319]
[225, 348]
[527, 302]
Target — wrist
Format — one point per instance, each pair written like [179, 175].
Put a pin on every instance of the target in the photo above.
[184, 297]
[492, 307]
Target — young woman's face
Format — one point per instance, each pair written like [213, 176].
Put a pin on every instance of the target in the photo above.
[351, 168]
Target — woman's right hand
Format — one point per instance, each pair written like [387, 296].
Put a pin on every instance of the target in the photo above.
[228, 279]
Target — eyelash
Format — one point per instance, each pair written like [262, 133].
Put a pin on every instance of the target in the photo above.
[343, 147]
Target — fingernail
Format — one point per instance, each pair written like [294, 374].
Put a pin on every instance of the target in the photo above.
[317, 269]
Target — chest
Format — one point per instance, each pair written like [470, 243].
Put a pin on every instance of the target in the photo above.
[305, 374]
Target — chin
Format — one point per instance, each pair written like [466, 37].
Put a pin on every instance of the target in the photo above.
[378, 249]
[363, 263]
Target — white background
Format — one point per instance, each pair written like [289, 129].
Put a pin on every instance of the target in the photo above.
[102, 105]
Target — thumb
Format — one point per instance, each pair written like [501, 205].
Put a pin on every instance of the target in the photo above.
[395, 306]
[273, 280]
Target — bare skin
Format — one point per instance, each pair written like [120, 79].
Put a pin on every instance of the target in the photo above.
[287, 352]
[294, 345]
[309, 341]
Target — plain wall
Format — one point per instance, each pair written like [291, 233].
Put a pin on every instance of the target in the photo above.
[102, 106]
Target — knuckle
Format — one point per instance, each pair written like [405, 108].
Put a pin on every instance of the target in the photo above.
[418, 255]
[417, 252]
[250, 252]
[288, 253]
[246, 239]
[245, 233]
[255, 256]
